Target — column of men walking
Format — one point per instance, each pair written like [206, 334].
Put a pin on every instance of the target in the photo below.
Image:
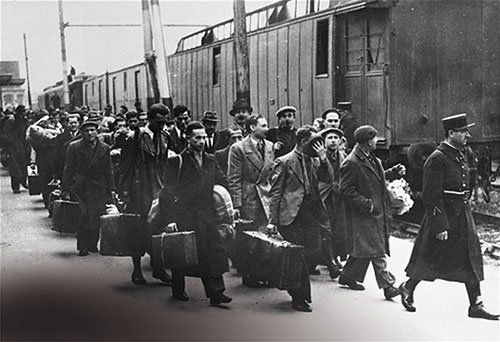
[319, 186]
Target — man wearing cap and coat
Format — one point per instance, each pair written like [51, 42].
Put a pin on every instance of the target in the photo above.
[283, 136]
[447, 245]
[88, 178]
[368, 215]
[210, 121]
[177, 141]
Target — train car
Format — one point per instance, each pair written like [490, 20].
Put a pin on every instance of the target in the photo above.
[130, 86]
[403, 64]
[52, 96]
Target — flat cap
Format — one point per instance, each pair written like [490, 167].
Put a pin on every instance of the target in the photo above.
[286, 109]
[337, 131]
[210, 116]
[364, 133]
[89, 123]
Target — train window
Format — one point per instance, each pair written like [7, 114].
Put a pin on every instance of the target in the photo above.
[86, 94]
[125, 81]
[375, 42]
[216, 66]
[353, 43]
[137, 76]
[322, 39]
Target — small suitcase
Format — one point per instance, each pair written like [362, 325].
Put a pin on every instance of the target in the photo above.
[34, 183]
[122, 235]
[278, 262]
[175, 250]
[66, 216]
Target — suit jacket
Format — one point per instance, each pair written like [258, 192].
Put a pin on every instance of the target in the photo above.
[288, 189]
[214, 147]
[361, 186]
[248, 177]
[223, 158]
[175, 142]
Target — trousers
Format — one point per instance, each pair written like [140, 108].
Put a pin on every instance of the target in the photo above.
[355, 269]
[473, 289]
[212, 285]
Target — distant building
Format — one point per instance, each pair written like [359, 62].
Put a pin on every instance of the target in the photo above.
[12, 89]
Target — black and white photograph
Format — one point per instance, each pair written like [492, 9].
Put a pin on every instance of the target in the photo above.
[250, 170]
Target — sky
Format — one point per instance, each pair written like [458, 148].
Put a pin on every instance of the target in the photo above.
[95, 50]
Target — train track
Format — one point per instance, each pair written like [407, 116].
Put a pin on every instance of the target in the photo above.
[488, 248]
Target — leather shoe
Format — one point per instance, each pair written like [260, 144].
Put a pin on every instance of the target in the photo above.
[182, 296]
[83, 252]
[94, 249]
[406, 298]
[353, 285]
[163, 276]
[477, 311]
[390, 292]
[301, 305]
[138, 279]
[334, 272]
[220, 298]
[248, 282]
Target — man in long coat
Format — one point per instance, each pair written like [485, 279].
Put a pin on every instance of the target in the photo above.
[177, 135]
[296, 209]
[88, 178]
[192, 181]
[368, 214]
[250, 165]
[447, 246]
[333, 243]
[142, 162]
[14, 139]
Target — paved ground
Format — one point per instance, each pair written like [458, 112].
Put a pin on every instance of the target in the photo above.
[48, 291]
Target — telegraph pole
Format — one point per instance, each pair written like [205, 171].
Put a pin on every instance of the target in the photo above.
[27, 71]
[240, 50]
[62, 26]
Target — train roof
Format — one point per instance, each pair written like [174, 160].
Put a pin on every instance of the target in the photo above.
[77, 78]
[279, 12]
[115, 71]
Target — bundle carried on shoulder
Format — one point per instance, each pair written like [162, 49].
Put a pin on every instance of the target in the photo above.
[38, 136]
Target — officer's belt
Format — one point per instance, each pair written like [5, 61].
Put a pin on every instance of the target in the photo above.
[456, 193]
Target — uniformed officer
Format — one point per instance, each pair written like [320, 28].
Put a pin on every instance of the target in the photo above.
[447, 246]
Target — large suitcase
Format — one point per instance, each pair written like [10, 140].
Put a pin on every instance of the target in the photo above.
[267, 258]
[175, 250]
[122, 235]
[66, 216]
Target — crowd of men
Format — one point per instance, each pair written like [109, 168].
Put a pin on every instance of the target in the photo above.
[319, 186]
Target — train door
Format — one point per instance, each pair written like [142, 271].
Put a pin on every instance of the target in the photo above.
[362, 61]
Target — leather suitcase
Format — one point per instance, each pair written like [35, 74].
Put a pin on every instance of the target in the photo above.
[66, 216]
[278, 262]
[34, 185]
[122, 235]
[175, 250]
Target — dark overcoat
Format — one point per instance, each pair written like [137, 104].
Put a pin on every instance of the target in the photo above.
[446, 201]
[195, 210]
[88, 176]
[285, 136]
[13, 134]
[361, 186]
[335, 208]
[223, 158]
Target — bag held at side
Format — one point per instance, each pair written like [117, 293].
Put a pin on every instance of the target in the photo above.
[66, 216]
[122, 235]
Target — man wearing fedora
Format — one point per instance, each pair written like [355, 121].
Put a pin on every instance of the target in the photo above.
[283, 136]
[88, 178]
[447, 245]
[368, 215]
[210, 120]
[240, 112]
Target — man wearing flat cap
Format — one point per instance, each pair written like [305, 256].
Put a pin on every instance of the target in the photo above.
[348, 122]
[210, 120]
[177, 138]
[447, 245]
[368, 214]
[283, 136]
[88, 178]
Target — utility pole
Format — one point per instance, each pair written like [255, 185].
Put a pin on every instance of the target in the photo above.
[161, 58]
[240, 50]
[27, 71]
[148, 50]
[62, 26]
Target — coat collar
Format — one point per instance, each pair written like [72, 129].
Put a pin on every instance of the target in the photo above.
[366, 163]
[253, 154]
[189, 156]
[453, 153]
[92, 154]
